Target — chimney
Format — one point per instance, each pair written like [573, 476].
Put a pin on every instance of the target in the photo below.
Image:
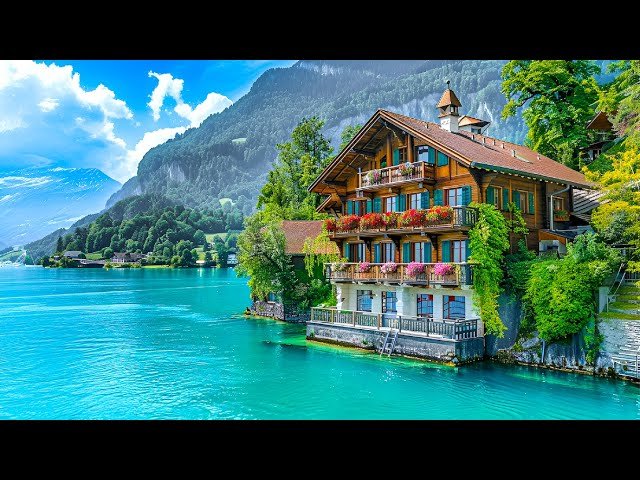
[448, 110]
[513, 153]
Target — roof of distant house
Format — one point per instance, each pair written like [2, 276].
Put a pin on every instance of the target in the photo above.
[72, 253]
[600, 121]
[469, 120]
[297, 231]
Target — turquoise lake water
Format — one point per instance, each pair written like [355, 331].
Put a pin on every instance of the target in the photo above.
[156, 344]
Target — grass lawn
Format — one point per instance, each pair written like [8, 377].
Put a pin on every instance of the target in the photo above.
[156, 266]
[94, 256]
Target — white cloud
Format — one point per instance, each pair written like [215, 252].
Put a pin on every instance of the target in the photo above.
[168, 86]
[22, 182]
[6, 198]
[48, 105]
[8, 124]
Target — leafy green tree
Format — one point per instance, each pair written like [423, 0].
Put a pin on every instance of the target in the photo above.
[107, 253]
[199, 237]
[557, 98]
[621, 100]
[222, 251]
[299, 162]
[347, 134]
[208, 259]
[59, 245]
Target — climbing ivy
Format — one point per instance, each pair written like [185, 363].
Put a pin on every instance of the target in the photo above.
[488, 242]
[318, 251]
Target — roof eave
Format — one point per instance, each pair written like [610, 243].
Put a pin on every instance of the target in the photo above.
[531, 175]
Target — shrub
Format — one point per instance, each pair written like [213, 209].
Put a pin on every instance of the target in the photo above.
[339, 266]
[373, 176]
[414, 269]
[347, 223]
[444, 269]
[371, 221]
[389, 267]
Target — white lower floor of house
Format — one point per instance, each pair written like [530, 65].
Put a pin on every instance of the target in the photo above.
[405, 301]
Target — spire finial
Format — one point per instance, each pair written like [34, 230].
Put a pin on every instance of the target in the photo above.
[448, 84]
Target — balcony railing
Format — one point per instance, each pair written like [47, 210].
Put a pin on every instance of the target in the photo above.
[452, 328]
[397, 174]
[459, 217]
[350, 272]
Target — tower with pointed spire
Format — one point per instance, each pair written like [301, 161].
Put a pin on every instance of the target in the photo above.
[448, 110]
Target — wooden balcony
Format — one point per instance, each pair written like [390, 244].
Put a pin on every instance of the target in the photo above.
[451, 328]
[462, 218]
[393, 176]
[350, 272]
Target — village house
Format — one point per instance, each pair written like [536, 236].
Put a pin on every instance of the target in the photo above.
[397, 164]
[126, 257]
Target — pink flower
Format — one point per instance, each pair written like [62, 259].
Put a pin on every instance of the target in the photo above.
[443, 269]
[414, 269]
[389, 267]
[364, 267]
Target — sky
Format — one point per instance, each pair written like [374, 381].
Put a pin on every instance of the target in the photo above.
[107, 114]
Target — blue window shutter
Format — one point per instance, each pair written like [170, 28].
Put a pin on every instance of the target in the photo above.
[402, 202]
[427, 252]
[432, 156]
[446, 251]
[396, 156]
[505, 199]
[424, 200]
[466, 195]
[467, 249]
[516, 198]
[406, 252]
[346, 251]
[349, 207]
[437, 197]
[443, 160]
[369, 206]
[532, 207]
[376, 253]
[490, 195]
[377, 205]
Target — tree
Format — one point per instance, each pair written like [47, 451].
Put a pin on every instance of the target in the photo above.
[347, 134]
[557, 98]
[107, 253]
[208, 259]
[199, 237]
[620, 99]
[59, 245]
[262, 257]
[299, 162]
[222, 251]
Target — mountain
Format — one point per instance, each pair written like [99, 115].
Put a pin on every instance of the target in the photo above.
[33, 201]
[229, 155]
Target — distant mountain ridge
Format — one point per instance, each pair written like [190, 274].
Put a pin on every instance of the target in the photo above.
[33, 201]
[229, 155]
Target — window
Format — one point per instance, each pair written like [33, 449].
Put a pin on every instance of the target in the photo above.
[388, 252]
[475, 130]
[364, 300]
[558, 204]
[414, 201]
[421, 252]
[359, 252]
[458, 251]
[390, 204]
[422, 154]
[521, 200]
[425, 305]
[402, 152]
[389, 302]
[453, 197]
[355, 207]
[452, 307]
[494, 196]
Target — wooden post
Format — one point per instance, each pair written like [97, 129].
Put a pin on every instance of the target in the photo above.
[353, 316]
[409, 148]
[389, 151]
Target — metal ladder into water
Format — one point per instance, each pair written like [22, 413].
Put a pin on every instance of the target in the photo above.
[389, 342]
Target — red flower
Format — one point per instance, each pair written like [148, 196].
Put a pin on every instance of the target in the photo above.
[346, 223]
[330, 224]
[371, 221]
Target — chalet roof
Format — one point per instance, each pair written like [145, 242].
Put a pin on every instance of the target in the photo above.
[600, 122]
[72, 253]
[297, 231]
[469, 120]
[470, 149]
[448, 98]
[585, 201]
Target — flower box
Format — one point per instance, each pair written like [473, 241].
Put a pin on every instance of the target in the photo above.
[330, 224]
[372, 221]
[561, 215]
[412, 218]
[391, 220]
[389, 267]
[373, 177]
[347, 223]
[414, 269]
[339, 266]
[363, 267]
[406, 169]
[444, 269]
